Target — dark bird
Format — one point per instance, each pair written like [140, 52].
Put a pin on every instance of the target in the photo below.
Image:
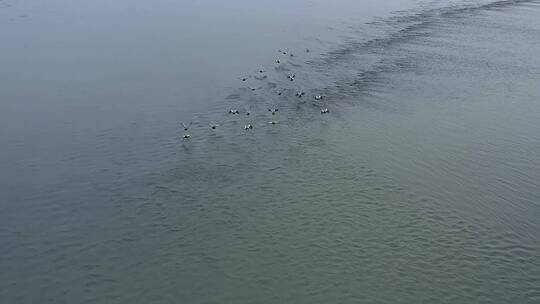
[186, 127]
[273, 111]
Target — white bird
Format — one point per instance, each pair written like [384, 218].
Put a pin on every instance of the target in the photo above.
[319, 97]
[233, 111]
[186, 136]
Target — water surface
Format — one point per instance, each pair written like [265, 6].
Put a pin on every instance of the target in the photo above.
[422, 184]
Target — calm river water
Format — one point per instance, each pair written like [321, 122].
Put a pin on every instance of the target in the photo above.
[421, 184]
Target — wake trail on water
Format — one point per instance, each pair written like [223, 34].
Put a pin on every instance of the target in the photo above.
[357, 68]
[352, 72]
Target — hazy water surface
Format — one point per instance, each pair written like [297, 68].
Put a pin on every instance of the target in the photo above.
[422, 184]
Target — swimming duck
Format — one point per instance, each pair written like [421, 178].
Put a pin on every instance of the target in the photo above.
[277, 61]
[300, 94]
[291, 77]
[233, 111]
[319, 97]
[324, 111]
[273, 111]
[186, 127]
[186, 136]
[248, 126]
[273, 122]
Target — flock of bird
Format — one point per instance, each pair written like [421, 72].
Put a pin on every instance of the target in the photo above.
[260, 75]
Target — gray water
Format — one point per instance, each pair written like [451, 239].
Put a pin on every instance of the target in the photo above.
[422, 184]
